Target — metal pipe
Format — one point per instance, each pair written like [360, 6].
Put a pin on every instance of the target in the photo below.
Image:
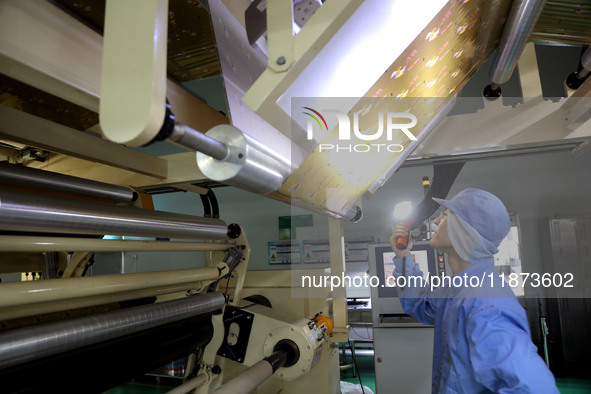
[15, 243]
[27, 344]
[31, 177]
[21, 211]
[521, 22]
[197, 141]
[20, 294]
[247, 381]
[189, 385]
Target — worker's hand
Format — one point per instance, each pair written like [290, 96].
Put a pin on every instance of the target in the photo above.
[401, 230]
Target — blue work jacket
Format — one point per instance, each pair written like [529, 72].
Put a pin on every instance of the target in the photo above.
[482, 341]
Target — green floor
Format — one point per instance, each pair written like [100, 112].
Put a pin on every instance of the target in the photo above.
[566, 386]
[147, 385]
[138, 388]
[573, 386]
[368, 380]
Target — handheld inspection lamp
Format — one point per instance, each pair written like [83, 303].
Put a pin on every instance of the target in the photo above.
[406, 214]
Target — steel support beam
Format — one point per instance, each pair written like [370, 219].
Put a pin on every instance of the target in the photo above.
[337, 269]
[29, 129]
[44, 47]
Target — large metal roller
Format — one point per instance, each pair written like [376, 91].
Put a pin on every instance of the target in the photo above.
[16, 243]
[31, 177]
[27, 344]
[226, 154]
[522, 20]
[21, 211]
[97, 368]
[248, 165]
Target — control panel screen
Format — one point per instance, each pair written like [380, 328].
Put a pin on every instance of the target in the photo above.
[418, 256]
[430, 261]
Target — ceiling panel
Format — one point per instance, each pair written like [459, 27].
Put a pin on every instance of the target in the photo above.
[192, 52]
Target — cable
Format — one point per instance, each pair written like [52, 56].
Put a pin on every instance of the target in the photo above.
[227, 287]
[215, 208]
[206, 205]
[545, 333]
[403, 274]
[232, 259]
[228, 276]
[88, 264]
[356, 367]
[444, 176]
[369, 338]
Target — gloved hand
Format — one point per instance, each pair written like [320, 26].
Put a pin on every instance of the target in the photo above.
[401, 230]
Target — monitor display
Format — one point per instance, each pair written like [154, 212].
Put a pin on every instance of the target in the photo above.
[418, 256]
[422, 253]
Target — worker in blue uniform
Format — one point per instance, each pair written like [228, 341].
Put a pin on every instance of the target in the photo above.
[482, 340]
